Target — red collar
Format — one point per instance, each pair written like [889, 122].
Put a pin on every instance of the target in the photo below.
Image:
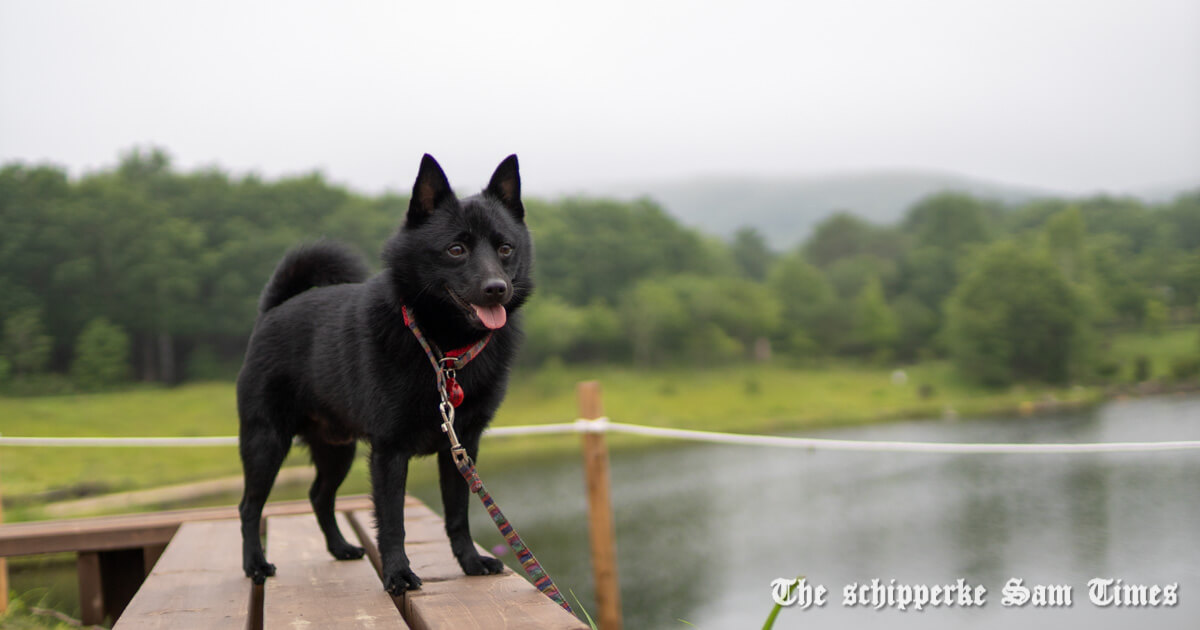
[445, 364]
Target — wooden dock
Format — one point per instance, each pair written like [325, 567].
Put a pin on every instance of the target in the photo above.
[182, 569]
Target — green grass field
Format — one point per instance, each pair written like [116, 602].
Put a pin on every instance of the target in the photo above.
[1161, 349]
[748, 399]
[751, 399]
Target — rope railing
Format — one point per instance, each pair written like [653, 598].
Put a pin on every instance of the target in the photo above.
[228, 440]
[603, 425]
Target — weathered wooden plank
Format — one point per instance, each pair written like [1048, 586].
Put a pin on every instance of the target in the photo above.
[494, 602]
[312, 590]
[197, 583]
[128, 531]
[449, 600]
[91, 596]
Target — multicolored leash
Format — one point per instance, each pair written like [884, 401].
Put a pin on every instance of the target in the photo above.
[452, 396]
[529, 563]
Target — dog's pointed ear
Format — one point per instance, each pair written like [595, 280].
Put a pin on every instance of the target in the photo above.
[429, 191]
[506, 187]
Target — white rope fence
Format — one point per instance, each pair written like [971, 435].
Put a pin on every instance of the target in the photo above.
[119, 441]
[603, 425]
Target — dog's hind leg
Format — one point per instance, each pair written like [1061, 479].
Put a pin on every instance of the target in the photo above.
[263, 448]
[333, 462]
[455, 499]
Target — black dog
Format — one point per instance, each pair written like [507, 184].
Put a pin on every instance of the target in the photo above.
[337, 363]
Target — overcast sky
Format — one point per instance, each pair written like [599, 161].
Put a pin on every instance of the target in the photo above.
[1072, 96]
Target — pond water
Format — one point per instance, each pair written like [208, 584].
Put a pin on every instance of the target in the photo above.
[703, 530]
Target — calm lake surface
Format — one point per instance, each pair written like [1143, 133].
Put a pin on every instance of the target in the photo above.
[703, 530]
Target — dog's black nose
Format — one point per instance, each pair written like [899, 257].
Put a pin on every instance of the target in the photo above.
[496, 289]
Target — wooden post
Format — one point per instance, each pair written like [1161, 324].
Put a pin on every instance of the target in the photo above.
[600, 517]
[3, 563]
[91, 592]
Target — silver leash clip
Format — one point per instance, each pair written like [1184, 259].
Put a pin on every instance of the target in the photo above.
[447, 410]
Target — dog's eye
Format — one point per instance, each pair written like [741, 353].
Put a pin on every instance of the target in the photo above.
[457, 250]
[505, 250]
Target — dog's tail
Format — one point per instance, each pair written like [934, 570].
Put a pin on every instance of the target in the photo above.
[316, 264]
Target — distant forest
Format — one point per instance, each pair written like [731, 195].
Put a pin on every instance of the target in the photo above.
[143, 272]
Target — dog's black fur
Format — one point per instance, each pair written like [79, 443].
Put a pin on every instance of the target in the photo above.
[336, 364]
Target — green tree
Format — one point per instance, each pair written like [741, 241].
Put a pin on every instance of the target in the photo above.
[1156, 317]
[930, 275]
[742, 311]
[601, 337]
[132, 261]
[709, 344]
[1128, 217]
[1122, 298]
[875, 328]
[655, 319]
[177, 260]
[32, 242]
[26, 345]
[948, 220]
[918, 326]
[1016, 317]
[1183, 215]
[1065, 234]
[1032, 215]
[844, 235]
[1184, 278]
[552, 327]
[751, 253]
[850, 275]
[699, 318]
[592, 249]
[557, 331]
[806, 300]
[101, 355]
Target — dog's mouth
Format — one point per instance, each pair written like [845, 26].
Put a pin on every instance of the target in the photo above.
[491, 317]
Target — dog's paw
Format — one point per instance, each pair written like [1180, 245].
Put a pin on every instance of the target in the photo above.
[346, 551]
[401, 580]
[480, 565]
[259, 570]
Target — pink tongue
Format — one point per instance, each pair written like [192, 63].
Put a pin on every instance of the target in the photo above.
[492, 317]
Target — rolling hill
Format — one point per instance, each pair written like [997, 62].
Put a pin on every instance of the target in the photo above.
[785, 209]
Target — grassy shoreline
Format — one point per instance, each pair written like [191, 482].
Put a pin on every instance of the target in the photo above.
[770, 398]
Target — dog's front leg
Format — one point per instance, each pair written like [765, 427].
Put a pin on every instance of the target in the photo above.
[389, 475]
[455, 499]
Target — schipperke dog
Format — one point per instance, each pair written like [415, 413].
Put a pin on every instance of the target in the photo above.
[331, 360]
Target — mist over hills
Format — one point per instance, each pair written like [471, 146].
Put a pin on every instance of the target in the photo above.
[785, 209]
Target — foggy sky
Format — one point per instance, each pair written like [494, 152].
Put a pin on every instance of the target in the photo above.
[1070, 96]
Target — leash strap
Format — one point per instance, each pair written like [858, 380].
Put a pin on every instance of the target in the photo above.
[529, 563]
[444, 367]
